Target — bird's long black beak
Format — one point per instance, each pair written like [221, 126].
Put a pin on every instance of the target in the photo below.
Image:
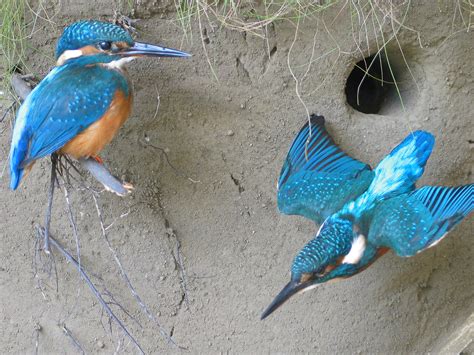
[292, 288]
[146, 49]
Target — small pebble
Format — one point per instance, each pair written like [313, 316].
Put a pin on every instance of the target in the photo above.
[230, 133]
[100, 344]
[242, 106]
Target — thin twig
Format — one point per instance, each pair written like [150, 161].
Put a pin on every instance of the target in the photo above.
[73, 224]
[176, 171]
[37, 334]
[9, 108]
[206, 53]
[135, 294]
[69, 334]
[94, 290]
[47, 222]
[158, 101]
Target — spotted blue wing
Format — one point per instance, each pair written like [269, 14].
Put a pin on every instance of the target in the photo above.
[318, 178]
[398, 172]
[58, 109]
[412, 222]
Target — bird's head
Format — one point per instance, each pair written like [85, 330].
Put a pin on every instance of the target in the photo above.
[334, 253]
[111, 42]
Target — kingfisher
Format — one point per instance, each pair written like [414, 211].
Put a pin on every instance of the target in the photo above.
[80, 105]
[362, 213]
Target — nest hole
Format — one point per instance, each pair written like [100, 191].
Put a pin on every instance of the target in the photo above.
[371, 86]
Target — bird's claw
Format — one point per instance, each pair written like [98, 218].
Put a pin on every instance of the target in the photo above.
[129, 187]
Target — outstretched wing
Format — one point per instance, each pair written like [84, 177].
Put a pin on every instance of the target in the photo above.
[318, 178]
[398, 172]
[65, 103]
[412, 222]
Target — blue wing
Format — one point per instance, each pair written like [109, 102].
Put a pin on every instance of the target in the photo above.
[318, 178]
[398, 172]
[67, 101]
[413, 222]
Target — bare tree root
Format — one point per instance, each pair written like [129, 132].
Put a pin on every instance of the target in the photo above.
[36, 335]
[98, 295]
[103, 175]
[47, 223]
[134, 293]
[9, 108]
[66, 167]
[69, 334]
[178, 261]
[175, 170]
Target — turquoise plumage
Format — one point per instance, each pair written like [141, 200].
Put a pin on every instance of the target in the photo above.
[415, 221]
[88, 86]
[318, 178]
[61, 107]
[363, 213]
[83, 33]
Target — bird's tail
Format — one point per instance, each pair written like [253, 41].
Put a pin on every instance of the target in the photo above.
[16, 168]
[15, 177]
[398, 172]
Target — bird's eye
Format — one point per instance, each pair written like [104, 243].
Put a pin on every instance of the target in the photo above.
[105, 45]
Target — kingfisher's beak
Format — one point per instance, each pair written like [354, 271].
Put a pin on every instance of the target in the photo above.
[292, 288]
[146, 49]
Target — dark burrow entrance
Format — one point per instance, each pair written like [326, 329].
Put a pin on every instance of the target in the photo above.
[370, 85]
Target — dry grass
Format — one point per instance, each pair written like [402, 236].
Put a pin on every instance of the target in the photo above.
[12, 34]
[18, 24]
[248, 16]
[254, 16]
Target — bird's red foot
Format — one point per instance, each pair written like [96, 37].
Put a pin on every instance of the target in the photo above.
[98, 159]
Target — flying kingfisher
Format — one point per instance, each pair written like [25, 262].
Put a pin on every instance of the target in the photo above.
[80, 105]
[362, 212]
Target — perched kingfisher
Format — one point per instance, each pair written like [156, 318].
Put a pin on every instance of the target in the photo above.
[362, 212]
[80, 105]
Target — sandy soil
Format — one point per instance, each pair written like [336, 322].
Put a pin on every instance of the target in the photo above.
[232, 137]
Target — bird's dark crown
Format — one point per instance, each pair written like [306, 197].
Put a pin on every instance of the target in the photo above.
[101, 35]
[333, 240]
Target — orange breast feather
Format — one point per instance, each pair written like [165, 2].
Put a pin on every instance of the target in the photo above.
[95, 137]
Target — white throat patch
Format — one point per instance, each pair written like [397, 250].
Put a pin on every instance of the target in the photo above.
[118, 64]
[356, 252]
